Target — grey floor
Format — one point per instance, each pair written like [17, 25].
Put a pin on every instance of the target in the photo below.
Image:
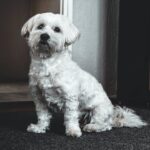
[13, 135]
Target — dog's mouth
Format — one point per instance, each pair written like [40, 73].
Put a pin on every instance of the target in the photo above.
[44, 50]
[44, 46]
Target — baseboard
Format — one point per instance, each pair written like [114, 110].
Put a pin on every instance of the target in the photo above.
[26, 106]
[22, 106]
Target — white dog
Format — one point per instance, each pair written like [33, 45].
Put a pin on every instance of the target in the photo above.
[58, 83]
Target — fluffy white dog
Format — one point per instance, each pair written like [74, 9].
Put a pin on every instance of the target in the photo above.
[58, 83]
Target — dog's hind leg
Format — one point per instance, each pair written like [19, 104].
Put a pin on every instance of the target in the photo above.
[101, 119]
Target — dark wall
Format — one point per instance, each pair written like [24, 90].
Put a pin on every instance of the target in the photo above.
[14, 52]
[133, 57]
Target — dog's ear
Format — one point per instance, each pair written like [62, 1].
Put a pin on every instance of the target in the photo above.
[72, 34]
[27, 27]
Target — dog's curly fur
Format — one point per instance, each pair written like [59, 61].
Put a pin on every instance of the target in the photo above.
[58, 83]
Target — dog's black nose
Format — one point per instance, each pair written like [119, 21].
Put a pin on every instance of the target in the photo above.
[44, 37]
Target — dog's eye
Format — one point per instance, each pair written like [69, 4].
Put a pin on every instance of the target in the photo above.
[57, 29]
[41, 26]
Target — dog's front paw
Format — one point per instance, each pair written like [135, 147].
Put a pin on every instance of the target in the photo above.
[35, 128]
[74, 132]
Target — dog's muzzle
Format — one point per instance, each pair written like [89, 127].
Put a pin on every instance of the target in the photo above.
[44, 38]
[44, 43]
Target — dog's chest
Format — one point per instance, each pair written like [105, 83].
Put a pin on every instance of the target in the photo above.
[41, 75]
[55, 99]
[46, 79]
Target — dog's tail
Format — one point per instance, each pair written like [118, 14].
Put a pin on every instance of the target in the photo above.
[126, 117]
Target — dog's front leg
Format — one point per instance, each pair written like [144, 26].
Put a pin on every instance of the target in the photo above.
[42, 112]
[71, 117]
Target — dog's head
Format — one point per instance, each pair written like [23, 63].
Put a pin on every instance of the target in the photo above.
[48, 33]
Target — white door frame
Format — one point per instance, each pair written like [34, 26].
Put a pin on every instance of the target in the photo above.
[66, 8]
